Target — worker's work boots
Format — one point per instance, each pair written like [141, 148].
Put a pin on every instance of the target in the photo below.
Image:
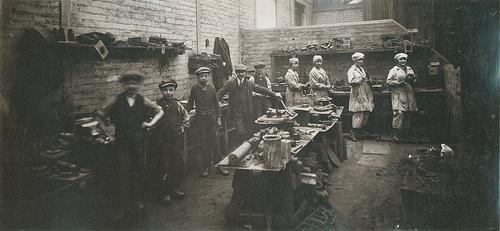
[223, 171]
[396, 135]
[364, 132]
[352, 135]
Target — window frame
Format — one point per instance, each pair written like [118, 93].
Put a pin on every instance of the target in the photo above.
[335, 5]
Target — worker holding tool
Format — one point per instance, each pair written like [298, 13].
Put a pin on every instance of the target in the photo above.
[360, 98]
[400, 80]
[241, 101]
[261, 102]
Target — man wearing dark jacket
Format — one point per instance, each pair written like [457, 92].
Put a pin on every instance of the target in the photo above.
[241, 101]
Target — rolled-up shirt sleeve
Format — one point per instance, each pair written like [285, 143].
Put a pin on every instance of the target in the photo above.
[153, 106]
[104, 111]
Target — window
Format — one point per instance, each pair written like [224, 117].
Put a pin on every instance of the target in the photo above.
[300, 16]
[327, 5]
[265, 13]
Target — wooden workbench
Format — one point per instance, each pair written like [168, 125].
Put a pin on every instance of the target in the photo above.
[277, 198]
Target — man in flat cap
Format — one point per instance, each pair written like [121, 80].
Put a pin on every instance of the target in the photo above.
[208, 117]
[241, 105]
[261, 102]
[164, 156]
[241, 101]
[129, 111]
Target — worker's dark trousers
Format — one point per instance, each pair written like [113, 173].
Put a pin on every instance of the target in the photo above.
[165, 164]
[244, 125]
[260, 104]
[130, 171]
[210, 145]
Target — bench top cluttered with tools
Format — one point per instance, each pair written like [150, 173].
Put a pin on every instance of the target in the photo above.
[283, 134]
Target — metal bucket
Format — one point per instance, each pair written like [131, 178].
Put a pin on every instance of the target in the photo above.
[272, 151]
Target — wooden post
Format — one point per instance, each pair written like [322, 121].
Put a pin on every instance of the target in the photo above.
[185, 151]
[226, 135]
[338, 138]
[455, 121]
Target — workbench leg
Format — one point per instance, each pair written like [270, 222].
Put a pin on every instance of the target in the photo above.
[185, 150]
[337, 128]
[226, 136]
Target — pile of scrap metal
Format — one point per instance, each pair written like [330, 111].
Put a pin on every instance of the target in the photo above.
[429, 192]
[396, 41]
[335, 43]
[313, 176]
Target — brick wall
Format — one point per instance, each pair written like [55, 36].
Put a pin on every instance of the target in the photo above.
[283, 16]
[257, 44]
[338, 16]
[172, 19]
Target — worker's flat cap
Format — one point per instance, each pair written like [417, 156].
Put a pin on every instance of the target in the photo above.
[240, 67]
[202, 70]
[259, 65]
[168, 82]
[133, 75]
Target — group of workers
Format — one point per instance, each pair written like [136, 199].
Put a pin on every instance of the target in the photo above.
[133, 116]
[400, 80]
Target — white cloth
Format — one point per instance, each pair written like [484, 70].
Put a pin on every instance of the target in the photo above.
[399, 55]
[357, 55]
[316, 57]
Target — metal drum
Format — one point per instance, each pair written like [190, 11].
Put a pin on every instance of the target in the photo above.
[272, 151]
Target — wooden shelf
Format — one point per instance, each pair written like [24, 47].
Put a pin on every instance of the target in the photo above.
[341, 51]
[110, 47]
[335, 51]
[78, 51]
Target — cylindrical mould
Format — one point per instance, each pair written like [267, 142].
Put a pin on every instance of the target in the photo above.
[237, 155]
[286, 149]
[272, 151]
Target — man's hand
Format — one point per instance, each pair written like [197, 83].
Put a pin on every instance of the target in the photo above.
[146, 125]
[219, 122]
[110, 139]
[278, 95]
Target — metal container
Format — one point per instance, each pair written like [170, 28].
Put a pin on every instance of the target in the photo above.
[286, 148]
[272, 151]
[303, 115]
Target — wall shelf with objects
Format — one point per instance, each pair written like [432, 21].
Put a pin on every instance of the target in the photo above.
[327, 52]
[122, 51]
[336, 62]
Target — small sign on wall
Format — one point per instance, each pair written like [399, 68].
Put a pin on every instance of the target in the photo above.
[433, 68]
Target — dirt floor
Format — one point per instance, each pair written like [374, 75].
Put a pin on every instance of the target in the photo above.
[363, 197]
